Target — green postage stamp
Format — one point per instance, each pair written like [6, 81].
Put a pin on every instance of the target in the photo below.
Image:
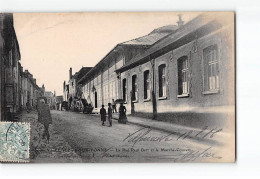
[14, 142]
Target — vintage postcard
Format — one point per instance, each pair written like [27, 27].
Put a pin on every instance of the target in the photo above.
[113, 87]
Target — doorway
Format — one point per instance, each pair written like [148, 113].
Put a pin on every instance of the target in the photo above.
[95, 99]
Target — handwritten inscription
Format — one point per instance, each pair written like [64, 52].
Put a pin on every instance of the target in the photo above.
[143, 134]
[189, 155]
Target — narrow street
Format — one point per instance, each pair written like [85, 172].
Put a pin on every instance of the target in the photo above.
[77, 137]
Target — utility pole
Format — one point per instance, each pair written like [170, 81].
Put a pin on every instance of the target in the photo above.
[154, 91]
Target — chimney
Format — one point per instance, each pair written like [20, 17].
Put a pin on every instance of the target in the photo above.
[64, 85]
[34, 80]
[70, 72]
[180, 22]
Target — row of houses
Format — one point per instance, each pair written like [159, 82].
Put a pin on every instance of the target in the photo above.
[176, 72]
[19, 89]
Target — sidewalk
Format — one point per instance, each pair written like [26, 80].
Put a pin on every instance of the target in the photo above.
[198, 134]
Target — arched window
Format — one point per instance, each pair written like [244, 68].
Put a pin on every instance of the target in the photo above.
[183, 71]
[146, 85]
[211, 68]
[162, 80]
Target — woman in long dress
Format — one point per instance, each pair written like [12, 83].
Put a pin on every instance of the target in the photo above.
[122, 114]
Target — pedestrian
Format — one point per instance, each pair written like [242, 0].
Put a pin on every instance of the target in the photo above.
[114, 106]
[122, 114]
[44, 117]
[109, 110]
[103, 115]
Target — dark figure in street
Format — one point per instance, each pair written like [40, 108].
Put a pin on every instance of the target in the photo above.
[103, 115]
[114, 106]
[44, 117]
[122, 114]
[109, 111]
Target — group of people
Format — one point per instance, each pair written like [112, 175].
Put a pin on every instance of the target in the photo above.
[111, 109]
[44, 115]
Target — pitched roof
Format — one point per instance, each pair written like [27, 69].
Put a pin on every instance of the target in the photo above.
[152, 37]
[78, 75]
[195, 28]
[147, 40]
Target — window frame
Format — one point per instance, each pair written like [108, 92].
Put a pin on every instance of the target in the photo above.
[135, 85]
[164, 96]
[147, 90]
[206, 87]
[180, 72]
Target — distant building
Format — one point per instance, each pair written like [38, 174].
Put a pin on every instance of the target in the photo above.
[65, 91]
[30, 91]
[50, 99]
[73, 89]
[59, 99]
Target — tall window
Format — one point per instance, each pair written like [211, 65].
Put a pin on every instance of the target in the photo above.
[183, 71]
[211, 68]
[146, 85]
[162, 80]
[124, 89]
[134, 87]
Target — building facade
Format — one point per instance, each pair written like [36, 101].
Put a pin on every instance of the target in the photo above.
[59, 99]
[65, 91]
[30, 91]
[51, 99]
[73, 90]
[18, 88]
[101, 84]
[187, 73]
[9, 57]
[179, 79]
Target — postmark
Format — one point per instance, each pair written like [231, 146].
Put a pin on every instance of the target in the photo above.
[14, 142]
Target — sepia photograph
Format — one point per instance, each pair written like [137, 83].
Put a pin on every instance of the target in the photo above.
[118, 87]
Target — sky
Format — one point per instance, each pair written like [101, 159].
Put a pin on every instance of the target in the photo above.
[51, 43]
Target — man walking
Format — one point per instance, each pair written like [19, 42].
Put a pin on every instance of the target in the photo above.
[114, 106]
[44, 117]
[109, 110]
[103, 115]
